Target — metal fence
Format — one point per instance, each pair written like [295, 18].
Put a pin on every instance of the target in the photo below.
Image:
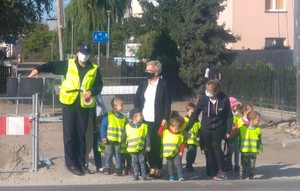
[23, 150]
[262, 85]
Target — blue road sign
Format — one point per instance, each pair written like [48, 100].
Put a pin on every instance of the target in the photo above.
[100, 36]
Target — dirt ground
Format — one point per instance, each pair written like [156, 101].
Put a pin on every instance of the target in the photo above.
[15, 153]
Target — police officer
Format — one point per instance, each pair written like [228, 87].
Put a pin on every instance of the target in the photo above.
[82, 82]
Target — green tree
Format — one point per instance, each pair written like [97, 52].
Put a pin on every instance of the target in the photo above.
[17, 16]
[36, 45]
[91, 15]
[193, 25]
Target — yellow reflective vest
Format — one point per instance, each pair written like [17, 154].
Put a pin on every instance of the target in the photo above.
[71, 85]
[115, 127]
[171, 143]
[136, 137]
[193, 132]
[249, 139]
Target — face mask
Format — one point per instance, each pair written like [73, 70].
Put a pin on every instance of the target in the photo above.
[208, 94]
[150, 75]
[82, 57]
[235, 112]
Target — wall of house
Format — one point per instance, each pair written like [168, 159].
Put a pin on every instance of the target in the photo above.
[253, 24]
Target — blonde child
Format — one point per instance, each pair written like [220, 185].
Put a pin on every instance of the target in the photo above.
[250, 144]
[112, 127]
[137, 137]
[193, 138]
[173, 147]
[245, 109]
[235, 105]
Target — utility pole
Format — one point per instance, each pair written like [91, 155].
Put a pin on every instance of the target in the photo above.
[108, 27]
[59, 10]
[72, 40]
[296, 58]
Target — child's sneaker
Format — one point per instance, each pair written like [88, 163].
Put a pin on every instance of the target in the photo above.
[180, 177]
[135, 178]
[107, 171]
[220, 176]
[145, 178]
[118, 172]
[171, 178]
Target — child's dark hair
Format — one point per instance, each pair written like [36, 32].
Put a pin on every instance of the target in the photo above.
[175, 114]
[113, 101]
[190, 106]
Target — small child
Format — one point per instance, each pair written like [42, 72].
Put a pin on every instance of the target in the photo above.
[112, 127]
[192, 139]
[245, 109]
[233, 141]
[137, 137]
[173, 147]
[250, 144]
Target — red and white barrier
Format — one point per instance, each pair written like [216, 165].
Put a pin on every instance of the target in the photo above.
[14, 125]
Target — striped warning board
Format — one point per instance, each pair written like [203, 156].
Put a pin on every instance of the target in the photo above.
[14, 125]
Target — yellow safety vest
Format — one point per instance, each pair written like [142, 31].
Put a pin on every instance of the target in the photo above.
[101, 147]
[136, 137]
[115, 127]
[193, 132]
[71, 86]
[171, 143]
[248, 139]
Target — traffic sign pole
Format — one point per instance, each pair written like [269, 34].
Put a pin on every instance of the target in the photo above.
[98, 55]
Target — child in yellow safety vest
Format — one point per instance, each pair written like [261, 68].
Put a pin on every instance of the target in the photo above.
[137, 138]
[111, 130]
[173, 146]
[250, 144]
[193, 138]
[235, 105]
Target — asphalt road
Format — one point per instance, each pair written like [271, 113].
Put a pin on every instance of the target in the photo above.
[207, 185]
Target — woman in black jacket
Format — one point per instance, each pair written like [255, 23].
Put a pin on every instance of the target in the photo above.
[153, 98]
[216, 125]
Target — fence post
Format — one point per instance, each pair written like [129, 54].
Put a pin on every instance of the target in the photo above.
[35, 108]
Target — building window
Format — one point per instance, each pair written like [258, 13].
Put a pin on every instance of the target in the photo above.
[275, 5]
[274, 43]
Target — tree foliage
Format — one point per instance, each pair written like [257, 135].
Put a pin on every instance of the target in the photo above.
[193, 25]
[91, 15]
[17, 16]
[38, 43]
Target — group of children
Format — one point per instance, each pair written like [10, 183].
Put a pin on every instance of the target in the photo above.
[245, 138]
[128, 141]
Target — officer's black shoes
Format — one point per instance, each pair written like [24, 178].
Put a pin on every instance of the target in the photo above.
[75, 170]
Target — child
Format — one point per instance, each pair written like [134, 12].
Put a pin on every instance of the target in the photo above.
[192, 138]
[173, 147]
[245, 109]
[112, 127]
[250, 144]
[233, 142]
[137, 137]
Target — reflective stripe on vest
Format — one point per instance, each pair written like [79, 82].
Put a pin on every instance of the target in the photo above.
[115, 127]
[136, 137]
[171, 143]
[71, 85]
[248, 139]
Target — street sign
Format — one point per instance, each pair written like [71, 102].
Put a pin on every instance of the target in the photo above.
[100, 36]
